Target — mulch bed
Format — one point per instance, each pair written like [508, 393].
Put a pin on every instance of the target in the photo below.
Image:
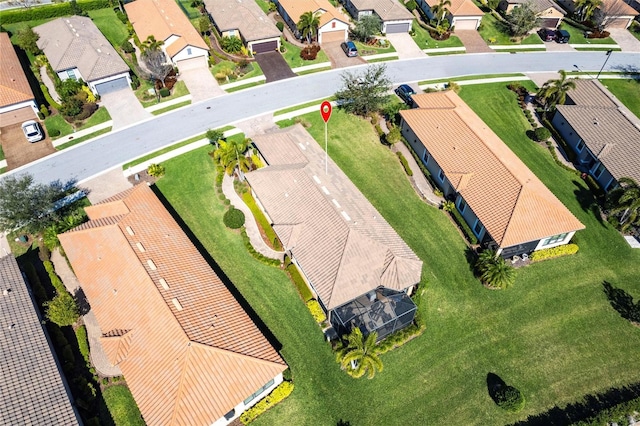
[143, 176]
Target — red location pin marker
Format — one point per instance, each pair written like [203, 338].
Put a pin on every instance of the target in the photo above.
[325, 110]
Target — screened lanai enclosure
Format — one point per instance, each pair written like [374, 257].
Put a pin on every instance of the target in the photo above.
[383, 310]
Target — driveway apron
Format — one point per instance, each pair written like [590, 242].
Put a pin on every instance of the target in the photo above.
[274, 66]
[405, 46]
[338, 58]
[624, 39]
[472, 41]
[200, 83]
[124, 108]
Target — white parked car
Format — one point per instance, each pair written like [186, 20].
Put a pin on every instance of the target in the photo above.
[32, 131]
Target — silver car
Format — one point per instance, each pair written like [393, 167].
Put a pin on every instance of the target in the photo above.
[32, 131]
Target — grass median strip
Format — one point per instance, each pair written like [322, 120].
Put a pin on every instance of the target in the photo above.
[170, 108]
[83, 138]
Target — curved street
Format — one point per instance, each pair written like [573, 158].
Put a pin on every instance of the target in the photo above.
[114, 149]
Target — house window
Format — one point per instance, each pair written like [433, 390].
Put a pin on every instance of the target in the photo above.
[441, 175]
[71, 74]
[462, 205]
[580, 145]
[259, 391]
[333, 25]
[478, 228]
[425, 157]
[598, 171]
[188, 51]
[555, 239]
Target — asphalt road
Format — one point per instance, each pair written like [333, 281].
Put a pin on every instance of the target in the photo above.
[116, 148]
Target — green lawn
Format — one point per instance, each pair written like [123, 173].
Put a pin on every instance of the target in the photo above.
[292, 56]
[545, 336]
[1, 153]
[122, 407]
[190, 11]
[577, 36]
[634, 29]
[83, 138]
[425, 41]
[493, 32]
[470, 77]
[264, 5]
[253, 68]
[628, 91]
[57, 122]
[365, 50]
[170, 108]
[109, 25]
[146, 99]
[100, 116]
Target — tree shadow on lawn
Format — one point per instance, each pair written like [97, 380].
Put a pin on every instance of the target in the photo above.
[494, 382]
[587, 201]
[622, 302]
[219, 272]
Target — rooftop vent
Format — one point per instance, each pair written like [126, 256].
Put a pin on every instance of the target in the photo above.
[325, 190]
[176, 304]
[130, 230]
[316, 178]
[345, 215]
[140, 247]
[164, 284]
[6, 291]
[335, 202]
[151, 264]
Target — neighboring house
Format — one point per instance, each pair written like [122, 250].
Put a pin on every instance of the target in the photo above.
[333, 26]
[76, 49]
[602, 132]
[17, 103]
[33, 389]
[394, 16]
[190, 353]
[164, 20]
[549, 14]
[244, 19]
[619, 13]
[463, 14]
[506, 206]
[359, 268]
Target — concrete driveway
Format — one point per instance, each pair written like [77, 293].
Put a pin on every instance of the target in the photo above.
[18, 151]
[124, 108]
[338, 58]
[405, 46]
[274, 66]
[472, 41]
[552, 46]
[200, 83]
[624, 39]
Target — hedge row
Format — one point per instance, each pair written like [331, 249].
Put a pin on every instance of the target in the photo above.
[299, 282]
[36, 286]
[316, 311]
[399, 338]
[55, 279]
[83, 343]
[462, 224]
[552, 252]
[50, 11]
[617, 414]
[254, 253]
[278, 394]
[405, 163]
[262, 220]
[47, 96]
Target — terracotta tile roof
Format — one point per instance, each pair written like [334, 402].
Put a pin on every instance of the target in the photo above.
[14, 87]
[188, 350]
[244, 16]
[511, 202]
[540, 5]
[387, 10]
[162, 19]
[32, 391]
[75, 42]
[618, 8]
[607, 127]
[464, 8]
[341, 242]
[295, 9]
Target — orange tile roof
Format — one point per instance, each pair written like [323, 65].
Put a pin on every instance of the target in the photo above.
[14, 87]
[295, 9]
[511, 202]
[162, 19]
[188, 350]
[464, 8]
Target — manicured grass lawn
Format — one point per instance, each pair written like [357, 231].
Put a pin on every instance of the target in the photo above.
[179, 89]
[425, 41]
[122, 406]
[100, 116]
[634, 29]
[365, 49]
[577, 36]
[493, 31]
[305, 105]
[58, 122]
[264, 5]
[292, 56]
[627, 91]
[253, 68]
[188, 10]
[109, 25]
[554, 335]
[83, 138]
[1, 153]
[170, 108]
[469, 77]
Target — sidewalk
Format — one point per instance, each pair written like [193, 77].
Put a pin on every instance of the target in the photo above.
[98, 356]
[81, 133]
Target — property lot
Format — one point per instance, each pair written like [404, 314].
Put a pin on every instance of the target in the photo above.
[18, 151]
[338, 58]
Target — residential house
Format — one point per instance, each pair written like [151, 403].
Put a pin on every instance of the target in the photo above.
[549, 14]
[602, 132]
[244, 19]
[359, 268]
[394, 16]
[617, 13]
[76, 49]
[506, 206]
[17, 103]
[333, 26]
[34, 390]
[190, 353]
[164, 20]
[463, 14]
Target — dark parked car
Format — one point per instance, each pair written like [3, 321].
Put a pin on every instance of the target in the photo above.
[562, 36]
[349, 48]
[404, 91]
[547, 34]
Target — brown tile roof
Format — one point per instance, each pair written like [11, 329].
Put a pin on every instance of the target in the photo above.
[162, 19]
[244, 16]
[75, 42]
[618, 8]
[14, 87]
[511, 202]
[295, 9]
[341, 242]
[464, 8]
[607, 127]
[387, 10]
[188, 350]
[539, 5]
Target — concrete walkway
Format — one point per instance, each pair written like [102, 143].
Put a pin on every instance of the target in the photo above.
[49, 83]
[98, 356]
[250, 223]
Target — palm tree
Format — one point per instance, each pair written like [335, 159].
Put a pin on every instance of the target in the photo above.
[151, 44]
[494, 271]
[308, 25]
[554, 92]
[231, 155]
[625, 199]
[586, 8]
[360, 356]
[440, 10]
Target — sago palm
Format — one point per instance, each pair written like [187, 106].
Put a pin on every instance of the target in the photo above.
[360, 356]
[494, 271]
[231, 154]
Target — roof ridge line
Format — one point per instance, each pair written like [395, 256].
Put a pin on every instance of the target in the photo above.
[513, 210]
[335, 277]
[179, 392]
[238, 354]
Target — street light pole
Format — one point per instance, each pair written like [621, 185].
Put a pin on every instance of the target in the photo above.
[605, 63]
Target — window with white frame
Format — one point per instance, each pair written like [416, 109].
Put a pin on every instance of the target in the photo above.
[71, 74]
[189, 51]
[441, 175]
[259, 391]
[425, 157]
[555, 239]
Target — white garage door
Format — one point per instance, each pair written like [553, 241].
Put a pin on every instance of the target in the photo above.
[329, 36]
[466, 24]
[618, 23]
[398, 28]
[112, 86]
[192, 63]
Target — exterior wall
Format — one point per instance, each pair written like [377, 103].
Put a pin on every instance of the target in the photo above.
[92, 84]
[171, 39]
[470, 217]
[402, 21]
[329, 27]
[543, 243]
[20, 105]
[195, 52]
[64, 74]
[426, 9]
[287, 19]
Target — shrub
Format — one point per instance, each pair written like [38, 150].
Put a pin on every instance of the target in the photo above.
[231, 44]
[123, 18]
[405, 164]
[233, 218]
[67, 354]
[36, 286]
[83, 343]
[494, 271]
[448, 206]
[44, 110]
[156, 170]
[509, 398]
[316, 311]
[62, 310]
[309, 53]
[553, 252]
[71, 107]
[127, 47]
[280, 26]
[281, 392]
[135, 82]
[54, 132]
[462, 224]
[299, 282]
[394, 136]
[411, 5]
[87, 111]
[40, 115]
[164, 92]
[399, 338]
[48, 97]
[542, 133]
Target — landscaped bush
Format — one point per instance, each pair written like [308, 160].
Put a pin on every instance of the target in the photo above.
[233, 218]
[309, 53]
[278, 394]
[462, 224]
[552, 252]
[87, 111]
[127, 47]
[55, 279]
[44, 110]
[494, 271]
[54, 132]
[280, 26]
[299, 282]
[316, 311]
[411, 5]
[83, 343]
[36, 286]
[48, 97]
[123, 18]
[164, 92]
[405, 163]
[394, 135]
[254, 253]
[399, 338]
[509, 398]
[542, 133]
[156, 170]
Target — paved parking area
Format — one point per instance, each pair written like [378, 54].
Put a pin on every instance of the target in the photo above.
[624, 39]
[274, 66]
[200, 83]
[18, 151]
[405, 46]
[338, 58]
[472, 41]
[123, 106]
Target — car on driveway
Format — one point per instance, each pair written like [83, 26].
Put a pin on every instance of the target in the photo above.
[404, 92]
[349, 48]
[547, 34]
[562, 36]
[32, 131]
